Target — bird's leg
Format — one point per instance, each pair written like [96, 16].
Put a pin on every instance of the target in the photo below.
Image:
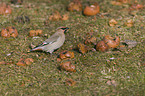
[47, 53]
[50, 53]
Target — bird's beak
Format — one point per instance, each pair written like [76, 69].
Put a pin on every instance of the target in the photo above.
[66, 29]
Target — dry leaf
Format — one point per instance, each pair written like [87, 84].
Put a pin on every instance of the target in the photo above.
[25, 62]
[33, 33]
[65, 17]
[143, 63]
[5, 33]
[122, 47]
[13, 31]
[112, 22]
[29, 61]
[136, 7]
[82, 48]
[129, 23]
[101, 46]
[21, 62]
[66, 55]
[5, 9]
[91, 10]
[142, 59]
[111, 42]
[38, 32]
[56, 16]
[75, 6]
[70, 82]
[67, 66]
[69, 54]
[116, 3]
[2, 62]
[9, 31]
[22, 85]
[90, 40]
[58, 59]
[124, 1]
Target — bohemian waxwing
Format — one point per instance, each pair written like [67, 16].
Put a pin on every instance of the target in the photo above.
[53, 42]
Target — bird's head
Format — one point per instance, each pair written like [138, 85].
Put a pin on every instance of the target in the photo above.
[62, 29]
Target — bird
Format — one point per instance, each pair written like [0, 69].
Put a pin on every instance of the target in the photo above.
[53, 42]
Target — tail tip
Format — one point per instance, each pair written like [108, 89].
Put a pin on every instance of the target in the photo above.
[35, 49]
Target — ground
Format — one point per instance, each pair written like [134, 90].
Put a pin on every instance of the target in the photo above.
[96, 74]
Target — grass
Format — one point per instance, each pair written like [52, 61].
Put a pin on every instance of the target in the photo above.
[94, 70]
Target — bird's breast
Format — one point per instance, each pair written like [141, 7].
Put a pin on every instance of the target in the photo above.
[59, 42]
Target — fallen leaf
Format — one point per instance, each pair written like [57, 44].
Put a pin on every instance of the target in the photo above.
[90, 40]
[111, 42]
[21, 62]
[136, 6]
[67, 66]
[82, 48]
[116, 3]
[33, 33]
[9, 31]
[65, 17]
[13, 31]
[112, 22]
[122, 47]
[129, 23]
[70, 82]
[22, 85]
[2, 62]
[91, 10]
[102, 46]
[143, 63]
[5, 33]
[38, 32]
[58, 59]
[56, 16]
[124, 1]
[5, 9]
[75, 6]
[66, 55]
[29, 61]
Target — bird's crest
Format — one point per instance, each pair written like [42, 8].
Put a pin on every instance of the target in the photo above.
[60, 27]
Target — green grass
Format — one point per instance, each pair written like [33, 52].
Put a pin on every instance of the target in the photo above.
[93, 71]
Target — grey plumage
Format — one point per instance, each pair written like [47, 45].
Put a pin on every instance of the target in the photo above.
[53, 42]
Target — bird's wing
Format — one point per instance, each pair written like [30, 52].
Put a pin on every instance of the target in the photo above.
[50, 40]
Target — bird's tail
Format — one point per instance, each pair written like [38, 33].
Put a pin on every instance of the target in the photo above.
[36, 49]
